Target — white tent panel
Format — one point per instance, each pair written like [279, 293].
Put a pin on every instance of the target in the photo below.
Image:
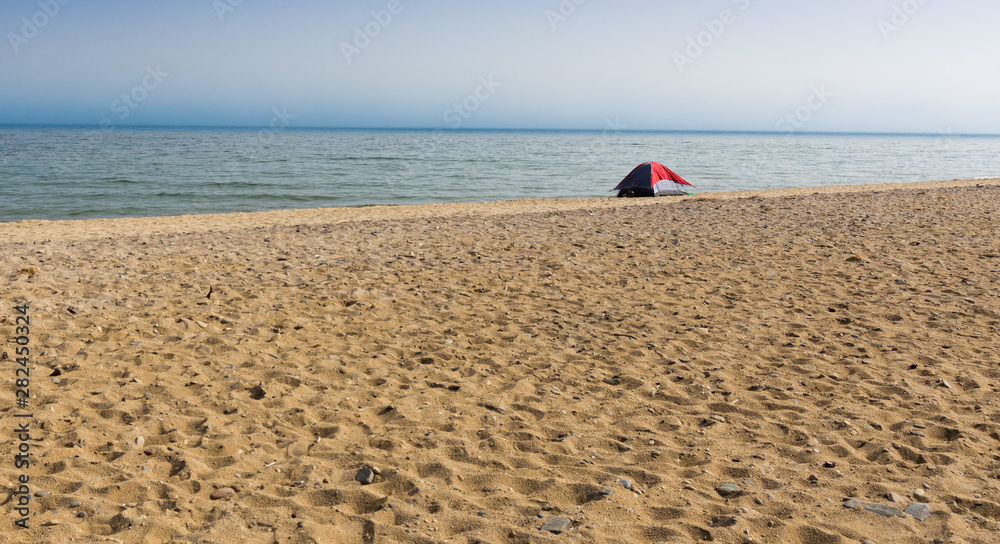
[667, 187]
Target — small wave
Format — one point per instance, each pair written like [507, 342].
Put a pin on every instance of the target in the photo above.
[370, 205]
[986, 177]
[234, 184]
[372, 158]
[166, 194]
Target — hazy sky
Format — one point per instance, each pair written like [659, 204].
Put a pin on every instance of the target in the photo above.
[925, 66]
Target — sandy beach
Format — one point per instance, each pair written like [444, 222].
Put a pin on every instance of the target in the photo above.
[811, 366]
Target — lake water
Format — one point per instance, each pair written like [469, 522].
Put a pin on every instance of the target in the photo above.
[77, 173]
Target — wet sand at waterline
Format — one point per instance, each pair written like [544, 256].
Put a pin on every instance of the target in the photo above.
[725, 367]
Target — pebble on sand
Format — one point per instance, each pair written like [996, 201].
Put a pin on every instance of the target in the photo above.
[257, 392]
[727, 490]
[365, 476]
[557, 525]
[883, 510]
[918, 510]
[222, 493]
[724, 521]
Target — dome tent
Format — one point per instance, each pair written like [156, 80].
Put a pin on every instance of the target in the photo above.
[652, 179]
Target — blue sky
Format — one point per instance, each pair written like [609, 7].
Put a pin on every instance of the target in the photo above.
[789, 65]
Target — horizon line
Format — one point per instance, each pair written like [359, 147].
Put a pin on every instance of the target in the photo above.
[473, 130]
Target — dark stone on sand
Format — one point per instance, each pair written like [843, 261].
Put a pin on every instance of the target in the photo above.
[365, 476]
[723, 521]
[257, 393]
[557, 525]
[852, 503]
[727, 490]
[883, 510]
[918, 510]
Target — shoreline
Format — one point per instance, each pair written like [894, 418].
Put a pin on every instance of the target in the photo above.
[26, 230]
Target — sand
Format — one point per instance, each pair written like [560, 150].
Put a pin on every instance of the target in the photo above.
[722, 367]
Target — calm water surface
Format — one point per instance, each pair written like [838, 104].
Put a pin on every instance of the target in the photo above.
[76, 173]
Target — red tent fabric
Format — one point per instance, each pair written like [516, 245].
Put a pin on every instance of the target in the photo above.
[652, 179]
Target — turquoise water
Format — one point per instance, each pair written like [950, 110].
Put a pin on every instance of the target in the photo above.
[69, 173]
